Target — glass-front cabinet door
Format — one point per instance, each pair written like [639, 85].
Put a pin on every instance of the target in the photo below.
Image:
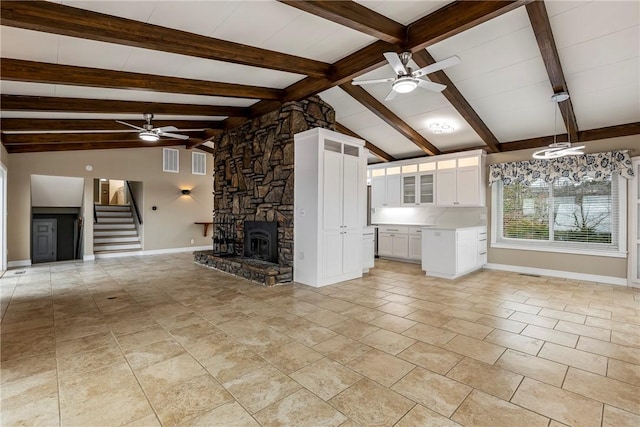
[409, 190]
[426, 186]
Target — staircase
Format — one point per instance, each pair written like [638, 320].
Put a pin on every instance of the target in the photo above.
[115, 231]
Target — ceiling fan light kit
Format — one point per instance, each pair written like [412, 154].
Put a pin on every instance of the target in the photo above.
[558, 149]
[150, 134]
[407, 80]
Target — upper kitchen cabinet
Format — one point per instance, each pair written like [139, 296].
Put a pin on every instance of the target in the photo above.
[460, 181]
[386, 187]
[418, 184]
[449, 180]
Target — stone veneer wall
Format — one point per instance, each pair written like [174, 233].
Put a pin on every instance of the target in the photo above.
[253, 172]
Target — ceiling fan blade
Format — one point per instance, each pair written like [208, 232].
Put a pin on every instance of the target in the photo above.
[166, 129]
[391, 95]
[394, 60]
[426, 84]
[173, 135]
[366, 82]
[129, 124]
[437, 66]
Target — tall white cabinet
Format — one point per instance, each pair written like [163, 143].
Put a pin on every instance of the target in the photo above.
[329, 207]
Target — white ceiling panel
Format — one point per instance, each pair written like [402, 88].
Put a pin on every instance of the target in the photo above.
[254, 22]
[199, 17]
[387, 139]
[89, 53]
[343, 104]
[519, 114]
[29, 89]
[592, 20]
[402, 11]
[29, 45]
[323, 41]
[602, 51]
[136, 10]
[148, 96]
[607, 107]
[488, 33]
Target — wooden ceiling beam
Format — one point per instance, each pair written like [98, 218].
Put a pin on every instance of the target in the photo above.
[608, 132]
[69, 21]
[45, 103]
[542, 29]
[378, 152]
[105, 145]
[453, 95]
[355, 16]
[40, 72]
[206, 149]
[376, 107]
[60, 138]
[48, 125]
[453, 19]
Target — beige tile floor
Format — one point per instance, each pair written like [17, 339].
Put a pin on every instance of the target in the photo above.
[157, 340]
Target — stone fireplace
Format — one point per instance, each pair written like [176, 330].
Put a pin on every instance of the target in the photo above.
[261, 240]
[253, 181]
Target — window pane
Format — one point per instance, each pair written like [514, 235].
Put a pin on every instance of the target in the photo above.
[582, 211]
[525, 211]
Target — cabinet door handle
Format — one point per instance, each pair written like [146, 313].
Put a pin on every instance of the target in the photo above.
[392, 229]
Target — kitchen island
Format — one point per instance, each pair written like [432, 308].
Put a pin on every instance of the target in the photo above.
[450, 252]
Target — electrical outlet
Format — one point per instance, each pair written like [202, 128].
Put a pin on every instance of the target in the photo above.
[193, 241]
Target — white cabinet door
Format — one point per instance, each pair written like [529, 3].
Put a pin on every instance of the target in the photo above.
[332, 191]
[394, 190]
[368, 252]
[468, 187]
[331, 254]
[385, 244]
[415, 247]
[378, 191]
[467, 250]
[426, 188]
[446, 187]
[351, 252]
[409, 196]
[350, 190]
[400, 246]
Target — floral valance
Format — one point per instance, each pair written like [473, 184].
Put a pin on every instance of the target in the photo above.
[597, 166]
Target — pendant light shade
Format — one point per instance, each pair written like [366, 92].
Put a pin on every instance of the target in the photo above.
[558, 149]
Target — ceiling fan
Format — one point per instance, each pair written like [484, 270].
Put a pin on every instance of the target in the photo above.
[406, 80]
[150, 134]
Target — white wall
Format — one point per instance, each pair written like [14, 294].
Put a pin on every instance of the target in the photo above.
[56, 191]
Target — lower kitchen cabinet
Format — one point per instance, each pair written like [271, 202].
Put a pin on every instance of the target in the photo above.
[400, 242]
[452, 252]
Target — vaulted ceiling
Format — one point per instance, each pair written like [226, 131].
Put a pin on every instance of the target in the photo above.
[69, 69]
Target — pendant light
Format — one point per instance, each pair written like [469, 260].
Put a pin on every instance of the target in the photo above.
[558, 149]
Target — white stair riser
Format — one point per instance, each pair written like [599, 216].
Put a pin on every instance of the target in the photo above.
[108, 247]
[112, 214]
[121, 226]
[115, 239]
[115, 219]
[109, 233]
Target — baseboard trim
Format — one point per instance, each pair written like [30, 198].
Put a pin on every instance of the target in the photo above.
[88, 257]
[152, 252]
[610, 280]
[19, 263]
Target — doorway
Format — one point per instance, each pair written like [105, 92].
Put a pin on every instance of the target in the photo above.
[45, 238]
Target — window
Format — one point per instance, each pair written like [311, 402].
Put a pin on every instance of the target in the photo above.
[563, 216]
[198, 163]
[170, 160]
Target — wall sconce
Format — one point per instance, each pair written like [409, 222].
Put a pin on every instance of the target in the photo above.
[185, 192]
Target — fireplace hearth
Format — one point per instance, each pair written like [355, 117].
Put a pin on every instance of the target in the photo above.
[261, 240]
